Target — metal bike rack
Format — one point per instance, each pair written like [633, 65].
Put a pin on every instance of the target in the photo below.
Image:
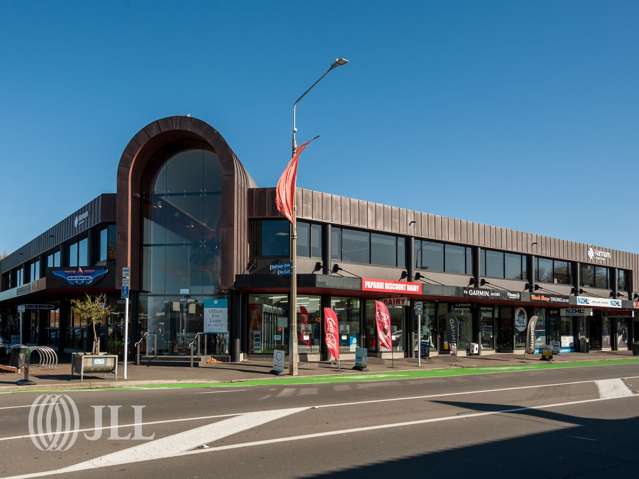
[192, 345]
[47, 357]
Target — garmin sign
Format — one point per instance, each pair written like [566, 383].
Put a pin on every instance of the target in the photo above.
[595, 254]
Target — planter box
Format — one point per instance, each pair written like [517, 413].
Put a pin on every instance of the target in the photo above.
[82, 363]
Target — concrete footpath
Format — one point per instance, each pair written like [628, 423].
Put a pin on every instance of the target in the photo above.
[256, 371]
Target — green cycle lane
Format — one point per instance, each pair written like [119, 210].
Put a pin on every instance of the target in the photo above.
[345, 377]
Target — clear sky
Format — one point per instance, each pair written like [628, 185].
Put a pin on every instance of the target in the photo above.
[517, 113]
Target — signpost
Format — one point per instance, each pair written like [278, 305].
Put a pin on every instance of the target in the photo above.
[419, 307]
[126, 282]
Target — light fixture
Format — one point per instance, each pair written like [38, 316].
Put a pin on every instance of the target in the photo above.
[339, 62]
[318, 266]
[403, 275]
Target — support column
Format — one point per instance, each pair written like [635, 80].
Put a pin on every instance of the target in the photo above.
[477, 280]
[235, 332]
[532, 273]
[326, 249]
[325, 302]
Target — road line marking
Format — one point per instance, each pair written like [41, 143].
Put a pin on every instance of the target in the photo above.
[133, 424]
[175, 444]
[137, 454]
[287, 392]
[613, 388]
[461, 393]
[354, 403]
[224, 391]
[308, 391]
[583, 438]
[27, 405]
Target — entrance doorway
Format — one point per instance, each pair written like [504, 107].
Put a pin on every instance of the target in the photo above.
[620, 333]
[505, 331]
[594, 332]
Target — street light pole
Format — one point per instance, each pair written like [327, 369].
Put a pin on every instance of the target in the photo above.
[292, 301]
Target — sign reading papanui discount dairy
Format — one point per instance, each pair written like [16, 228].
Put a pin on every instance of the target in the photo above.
[391, 286]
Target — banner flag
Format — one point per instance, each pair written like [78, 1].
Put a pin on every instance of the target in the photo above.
[382, 319]
[286, 185]
[331, 333]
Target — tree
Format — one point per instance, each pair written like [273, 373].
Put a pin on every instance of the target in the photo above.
[94, 310]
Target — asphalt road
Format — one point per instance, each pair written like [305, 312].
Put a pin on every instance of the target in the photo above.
[568, 423]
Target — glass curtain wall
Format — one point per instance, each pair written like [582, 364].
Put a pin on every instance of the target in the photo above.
[181, 249]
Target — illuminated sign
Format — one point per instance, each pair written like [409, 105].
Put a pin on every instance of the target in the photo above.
[80, 276]
[391, 286]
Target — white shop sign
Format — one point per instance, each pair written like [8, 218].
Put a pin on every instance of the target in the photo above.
[601, 302]
[216, 315]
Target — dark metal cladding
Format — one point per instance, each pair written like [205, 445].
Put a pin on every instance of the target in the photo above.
[345, 211]
[150, 144]
[97, 211]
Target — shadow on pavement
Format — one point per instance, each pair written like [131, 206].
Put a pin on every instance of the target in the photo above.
[591, 448]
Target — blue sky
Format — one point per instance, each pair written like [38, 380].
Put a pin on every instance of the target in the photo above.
[514, 113]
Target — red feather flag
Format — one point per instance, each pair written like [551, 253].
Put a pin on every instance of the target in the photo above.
[331, 333]
[383, 322]
[285, 189]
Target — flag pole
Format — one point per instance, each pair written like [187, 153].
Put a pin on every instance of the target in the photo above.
[292, 300]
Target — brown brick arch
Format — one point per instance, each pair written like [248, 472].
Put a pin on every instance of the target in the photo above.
[168, 135]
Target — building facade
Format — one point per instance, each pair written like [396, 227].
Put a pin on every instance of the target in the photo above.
[208, 253]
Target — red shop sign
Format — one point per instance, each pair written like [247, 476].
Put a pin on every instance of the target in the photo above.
[391, 286]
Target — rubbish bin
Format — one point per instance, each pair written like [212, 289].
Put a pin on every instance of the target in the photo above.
[21, 359]
[424, 348]
[635, 349]
[19, 354]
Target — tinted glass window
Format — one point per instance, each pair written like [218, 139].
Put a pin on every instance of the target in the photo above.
[401, 252]
[494, 264]
[482, 262]
[275, 238]
[469, 260]
[316, 241]
[601, 277]
[73, 254]
[83, 252]
[383, 249]
[622, 285]
[303, 239]
[587, 275]
[455, 259]
[513, 265]
[433, 256]
[336, 243]
[418, 253]
[104, 243]
[355, 246]
[544, 270]
[562, 272]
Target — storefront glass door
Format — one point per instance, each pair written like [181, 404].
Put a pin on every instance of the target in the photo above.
[505, 330]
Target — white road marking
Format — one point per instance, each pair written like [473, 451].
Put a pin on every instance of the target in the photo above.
[223, 391]
[308, 391]
[133, 424]
[147, 452]
[613, 388]
[27, 405]
[353, 403]
[583, 438]
[176, 444]
[286, 392]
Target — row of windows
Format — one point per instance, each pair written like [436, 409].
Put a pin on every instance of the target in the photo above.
[501, 265]
[349, 245]
[554, 271]
[77, 255]
[357, 246]
[443, 257]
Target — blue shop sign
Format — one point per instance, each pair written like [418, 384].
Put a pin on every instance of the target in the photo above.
[80, 276]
